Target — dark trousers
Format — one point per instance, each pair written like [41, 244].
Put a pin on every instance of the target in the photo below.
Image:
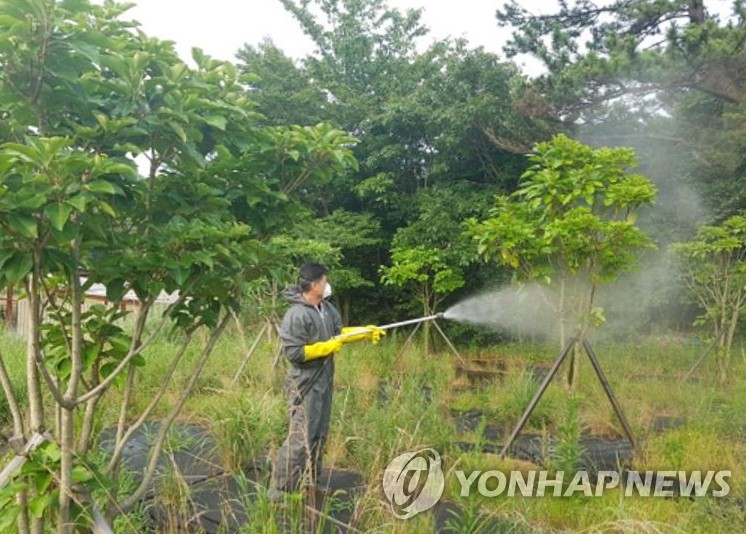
[300, 456]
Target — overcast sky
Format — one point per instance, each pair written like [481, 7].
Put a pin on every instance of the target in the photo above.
[221, 27]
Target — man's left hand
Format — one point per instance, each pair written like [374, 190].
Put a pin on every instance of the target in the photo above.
[352, 334]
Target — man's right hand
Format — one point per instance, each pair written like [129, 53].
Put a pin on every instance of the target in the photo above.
[321, 349]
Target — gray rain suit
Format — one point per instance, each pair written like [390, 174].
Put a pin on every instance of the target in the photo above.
[308, 386]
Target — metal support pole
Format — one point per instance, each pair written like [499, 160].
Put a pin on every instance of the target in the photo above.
[448, 341]
[250, 351]
[609, 392]
[704, 355]
[408, 341]
[539, 394]
[279, 347]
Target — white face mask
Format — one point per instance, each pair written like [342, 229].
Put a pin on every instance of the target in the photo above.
[327, 290]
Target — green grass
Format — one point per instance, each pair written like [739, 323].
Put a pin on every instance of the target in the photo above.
[386, 403]
[13, 350]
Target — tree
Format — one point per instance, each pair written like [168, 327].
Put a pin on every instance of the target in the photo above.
[282, 90]
[570, 225]
[674, 67]
[430, 255]
[428, 272]
[81, 96]
[449, 118]
[713, 267]
[599, 52]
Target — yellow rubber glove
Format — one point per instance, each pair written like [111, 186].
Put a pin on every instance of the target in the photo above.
[352, 334]
[321, 349]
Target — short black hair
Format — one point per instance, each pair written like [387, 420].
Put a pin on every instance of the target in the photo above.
[309, 273]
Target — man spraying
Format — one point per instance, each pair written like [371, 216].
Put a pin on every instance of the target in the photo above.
[311, 334]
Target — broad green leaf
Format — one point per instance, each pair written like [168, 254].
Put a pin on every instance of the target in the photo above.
[80, 474]
[58, 215]
[52, 452]
[91, 353]
[33, 202]
[78, 202]
[37, 505]
[101, 186]
[178, 275]
[115, 290]
[42, 481]
[64, 367]
[120, 343]
[179, 130]
[218, 121]
[18, 266]
[24, 225]
[107, 208]
[8, 519]
[102, 119]
[115, 167]
[108, 368]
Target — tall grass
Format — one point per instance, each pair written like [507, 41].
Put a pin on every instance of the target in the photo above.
[387, 402]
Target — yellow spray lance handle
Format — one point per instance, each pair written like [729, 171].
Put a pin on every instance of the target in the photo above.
[351, 334]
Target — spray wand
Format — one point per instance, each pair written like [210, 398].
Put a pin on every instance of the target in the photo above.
[412, 321]
[395, 325]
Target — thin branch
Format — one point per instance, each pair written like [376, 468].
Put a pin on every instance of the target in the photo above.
[50, 382]
[506, 144]
[166, 424]
[34, 97]
[142, 315]
[133, 352]
[296, 182]
[11, 398]
[33, 341]
[125, 403]
[86, 433]
[76, 352]
[58, 307]
[122, 441]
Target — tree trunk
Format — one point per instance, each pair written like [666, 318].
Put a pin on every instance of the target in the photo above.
[426, 337]
[36, 406]
[67, 435]
[696, 9]
[561, 314]
[572, 373]
[64, 525]
[729, 335]
[23, 520]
